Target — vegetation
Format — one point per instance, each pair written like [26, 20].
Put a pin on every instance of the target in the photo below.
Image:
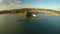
[24, 10]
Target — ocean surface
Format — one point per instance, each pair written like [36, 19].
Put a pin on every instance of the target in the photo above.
[14, 24]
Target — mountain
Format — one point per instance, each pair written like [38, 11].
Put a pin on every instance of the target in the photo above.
[25, 9]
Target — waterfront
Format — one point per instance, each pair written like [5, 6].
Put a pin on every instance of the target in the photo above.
[14, 24]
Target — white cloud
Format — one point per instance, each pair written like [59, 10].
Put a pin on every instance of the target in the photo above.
[14, 4]
[18, 1]
[15, 1]
[3, 7]
[1, 0]
[17, 5]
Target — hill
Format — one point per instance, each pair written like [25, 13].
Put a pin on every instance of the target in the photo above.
[25, 9]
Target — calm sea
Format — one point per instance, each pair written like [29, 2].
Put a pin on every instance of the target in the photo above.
[13, 24]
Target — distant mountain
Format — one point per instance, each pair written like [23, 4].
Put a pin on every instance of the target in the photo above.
[23, 10]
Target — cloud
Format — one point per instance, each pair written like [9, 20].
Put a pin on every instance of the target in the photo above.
[3, 7]
[1, 0]
[18, 4]
[15, 1]
[12, 5]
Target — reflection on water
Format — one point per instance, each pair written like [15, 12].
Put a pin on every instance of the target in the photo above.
[14, 24]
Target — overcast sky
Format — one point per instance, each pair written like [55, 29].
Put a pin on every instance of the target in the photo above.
[16, 4]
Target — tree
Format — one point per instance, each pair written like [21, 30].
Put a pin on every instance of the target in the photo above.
[29, 14]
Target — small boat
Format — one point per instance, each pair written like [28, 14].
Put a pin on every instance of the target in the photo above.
[34, 15]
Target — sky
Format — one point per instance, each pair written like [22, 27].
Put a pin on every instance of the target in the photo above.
[41, 4]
